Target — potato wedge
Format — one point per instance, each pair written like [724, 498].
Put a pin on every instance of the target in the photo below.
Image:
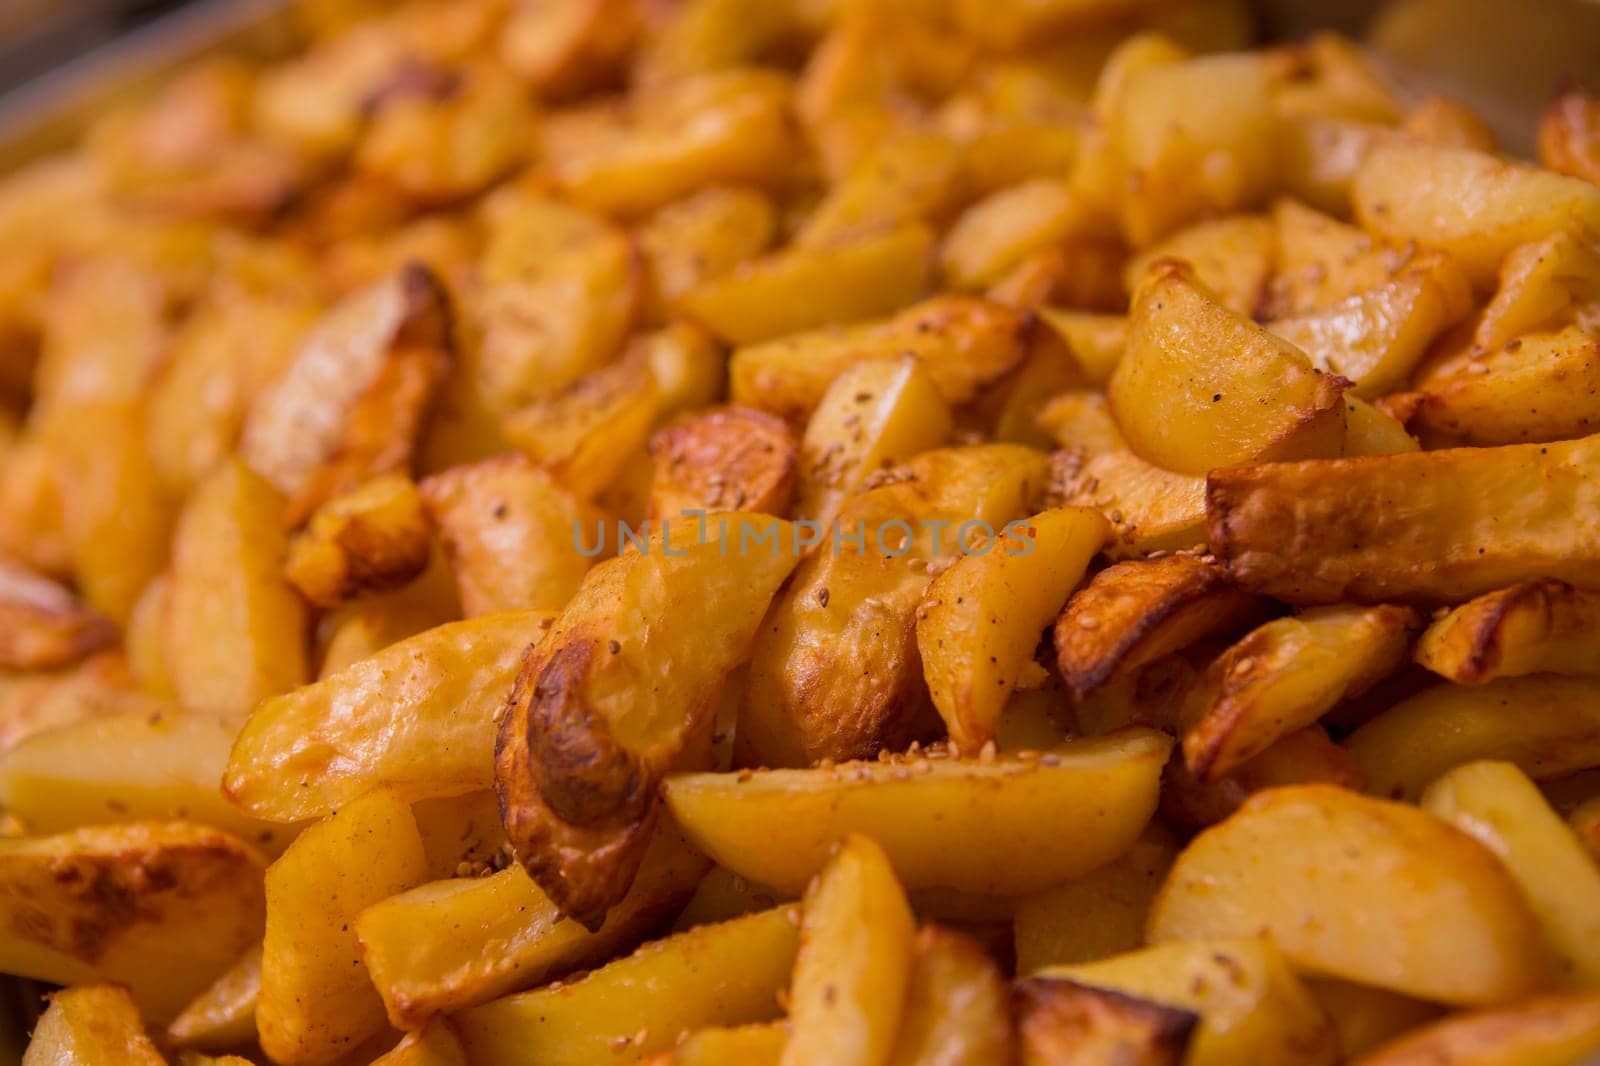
[1439, 918]
[418, 716]
[857, 943]
[724, 459]
[980, 620]
[701, 237]
[964, 344]
[507, 528]
[435, 1045]
[224, 1015]
[1420, 527]
[161, 908]
[584, 741]
[1471, 204]
[1496, 803]
[586, 432]
[1305, 757]
[776, 827]
[423, 966]
[351, 404]
[1569, 134]
[1369, 430]
[723, 975]
[1097, 915]
[1081, 421]
[1538, 387]
[1542, 626]
[1285, 675]
[316, 1000]
[1151, 510]
[1368, 1017]
[1097, 341]
[955, 1009]
[913, 176]
[1540, 285]
[757, 1044]
[873, 415]
[1004, 228]
[1061, 1021]
[1585, 822]
[42, 625]
[1201, 387]
[1140, 611]
[1250, 1005]
[371, 539]
[1233, 257]
[834, 671]
[1322, 262]
[91, 1025]
[1547, 725]
[808, 288]
[1535, 1032]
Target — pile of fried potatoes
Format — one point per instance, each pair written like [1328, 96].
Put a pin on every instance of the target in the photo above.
[804, 532]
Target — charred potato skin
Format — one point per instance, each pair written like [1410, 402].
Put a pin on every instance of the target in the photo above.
[1473, 644]
[729, 459]
[1061, 1021]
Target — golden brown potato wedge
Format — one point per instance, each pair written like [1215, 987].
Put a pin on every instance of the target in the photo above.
[1438, 917]
[1242, 998]
[1285, 675]
[808, 288]
[586, 432]
[873, 415]
[419, 716]
[1540, 284]
[423, 966]
[1420, 527]
[353, 401]
[724, 459]
[1585, 822]
[1497, 804]
[913, 176]
[1004, 228]
[161, 908]
[964, 344]
[1233, 257]
[224, 1015]
[435, 1045]
[980, 620]
[1200, 387]
[1542, 626]
[1535, 1032]
[234, 631]
[851, 974]
[1322, 262]
[700, 238]
[91, 1025]
[507, 528]
[371, 539]
[1367, 1017]
[42, 625]
[834, 671]
[316, 999]
[1438, 119]
[1081, 421]
[1471, 204]
[1151, 510]
[955, 1009]
[1369, 430]
[777, 827]
[1537, 387]
[1060, 1021]
[583, 741]
[757, 1044]
[1545, 724]
[1569, 134]
[1305, 757]
[714, 975]
[1142, 610]
[1097, 341]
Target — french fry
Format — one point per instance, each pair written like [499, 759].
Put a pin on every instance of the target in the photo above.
[1540, 626]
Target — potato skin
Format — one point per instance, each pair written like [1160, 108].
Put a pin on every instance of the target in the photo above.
[369, 540]
[42, 626]
[725, 459]
[1534, 1032]
[1569, 134]
[1061, 1021]
[1535, 626]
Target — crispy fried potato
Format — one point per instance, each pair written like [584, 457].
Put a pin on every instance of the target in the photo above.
[1497, 804]
[564, 49]
[1438, 119]
[1139, 611]
[435, 1045]
[234, 632]
[586, 433]
[1421, 527]
[971, 658]
[1540, 284]
[873, 415]
[33, 704]
[1097, 341]
[724, 459]
[1201, 387]
[808, 288]
[1150, 509]
[1569, 134]
[583, 742]
[688, 366]
[371, 539]
[913, 176]
[316, 1000]
[1001, 230]
[1548, 725]
[1081, 420]
[1537, 387]
[1247, 1001]
[91, 1025]
[1541, 626]
[721, 975]
[423, 966]
[757, 1044]
[1585, 822]
[42, 625]
[507, 528]
[352, 403]
[857, 943]
[224, 1015]
[1471, 204]
[1439, 918]
[1232, 257]
[834, 672]
[1099, 914]
[159, 907]
[1060, 1021]
[418, 716]
[1368, 430]
[1285, 675]
[776, 827]
[1535, 1032]
[1013, 405]
[964, 344]
[1322, 262]
[1305, 757]
[1366, 1017]
[955, 1009]
[700, 238]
